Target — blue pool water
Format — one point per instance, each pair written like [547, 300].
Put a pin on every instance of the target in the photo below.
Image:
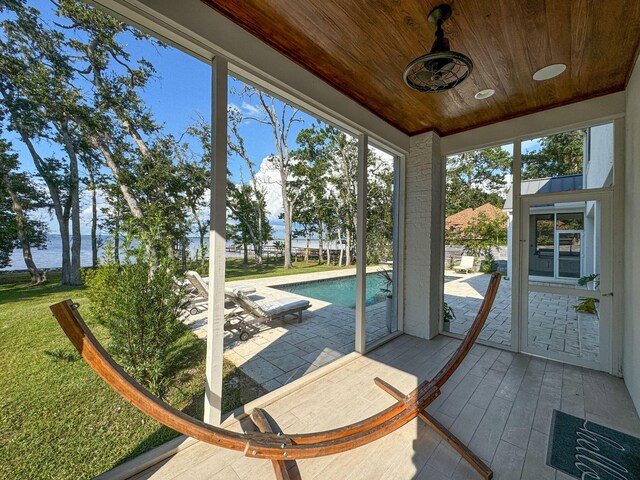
[341, 291]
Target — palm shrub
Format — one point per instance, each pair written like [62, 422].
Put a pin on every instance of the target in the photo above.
[139, 303]
[448, 313]
[588, 305]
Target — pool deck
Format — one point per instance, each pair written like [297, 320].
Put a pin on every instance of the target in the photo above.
[554, 323]
[283, 351]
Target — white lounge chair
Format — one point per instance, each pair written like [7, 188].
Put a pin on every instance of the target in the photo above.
[466, 264]
[245, 313]
[248, 313]
[199, 295]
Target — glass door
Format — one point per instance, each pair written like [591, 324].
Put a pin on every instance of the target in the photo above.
[569, 258]
[566, 288]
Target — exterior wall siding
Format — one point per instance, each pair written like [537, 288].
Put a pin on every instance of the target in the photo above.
[631, 358]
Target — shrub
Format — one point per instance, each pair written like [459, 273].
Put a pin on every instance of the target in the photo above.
[448, 313]
[488, 264]
[140, 306]
[588, 305]
[373, 258]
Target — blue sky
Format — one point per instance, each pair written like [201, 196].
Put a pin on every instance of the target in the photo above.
[180, 92]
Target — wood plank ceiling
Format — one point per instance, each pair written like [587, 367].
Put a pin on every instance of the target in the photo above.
[361, 47]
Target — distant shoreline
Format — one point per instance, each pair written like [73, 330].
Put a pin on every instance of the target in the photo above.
[50, 258]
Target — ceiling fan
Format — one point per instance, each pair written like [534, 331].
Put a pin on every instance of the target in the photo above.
[441, 68]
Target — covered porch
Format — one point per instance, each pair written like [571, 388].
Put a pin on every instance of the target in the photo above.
[498, 403]
[537, 353]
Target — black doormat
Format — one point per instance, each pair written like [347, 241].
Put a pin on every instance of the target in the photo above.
[586, 450]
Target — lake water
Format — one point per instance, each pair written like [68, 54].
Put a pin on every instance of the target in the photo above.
[51, 257]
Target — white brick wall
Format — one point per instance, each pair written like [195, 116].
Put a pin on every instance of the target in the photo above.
[422, 240]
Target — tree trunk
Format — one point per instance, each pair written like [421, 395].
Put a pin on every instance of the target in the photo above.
[116, 241]
[320, 244]
[306, 253]
[132, 203]
[36, 275]
[183, 251]
[340, 247]
[63, 224]
[142, 146]
[54, 192]
[257, 249]
[203, 248]
[287, 227]
[328, 247]
[94, 226]
[348, 248]
[75, 277]
[245, 249]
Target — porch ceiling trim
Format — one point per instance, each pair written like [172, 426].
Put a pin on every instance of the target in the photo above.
[586, 113]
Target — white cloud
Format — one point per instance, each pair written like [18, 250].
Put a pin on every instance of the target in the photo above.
[269, 177]
[247, 109]
[252, 110]
[86, 214]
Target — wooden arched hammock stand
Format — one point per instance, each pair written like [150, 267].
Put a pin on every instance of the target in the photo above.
[279, 446]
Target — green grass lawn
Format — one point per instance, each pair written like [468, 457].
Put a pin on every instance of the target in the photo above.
[59, 420]
[235, 270]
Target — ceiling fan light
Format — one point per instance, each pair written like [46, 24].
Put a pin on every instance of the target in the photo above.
[440, 69]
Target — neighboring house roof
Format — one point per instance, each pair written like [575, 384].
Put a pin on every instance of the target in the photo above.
[564, 183]
[460, 220]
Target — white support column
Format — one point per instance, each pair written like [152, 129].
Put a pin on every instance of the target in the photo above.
[424, 225]
[217, 238]
[620, 260]
[361, 246]
[516, 247]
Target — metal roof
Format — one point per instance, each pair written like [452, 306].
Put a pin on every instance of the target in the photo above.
[564, 183]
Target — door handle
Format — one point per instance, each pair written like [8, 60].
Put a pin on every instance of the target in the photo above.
[610, 294]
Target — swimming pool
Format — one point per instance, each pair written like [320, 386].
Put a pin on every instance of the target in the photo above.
[341, 290]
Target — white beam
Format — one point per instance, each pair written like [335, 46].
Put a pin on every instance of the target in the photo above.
[361, 246]
[560, 119]
[217, 239]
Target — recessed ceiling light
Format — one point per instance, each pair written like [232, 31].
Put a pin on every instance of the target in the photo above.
[482, 94]
[549, 71]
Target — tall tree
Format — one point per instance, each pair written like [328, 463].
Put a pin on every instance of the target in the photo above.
[197, 170]
[311, 176]
[249, 220]
[279, 117]
[19, 196]
[247, 200]
[343, 152]
[379, 208]
[117, 123]
[559, 154]
[39, 103]
[477, 177]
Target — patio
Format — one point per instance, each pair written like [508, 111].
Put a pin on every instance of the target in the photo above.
[554, 323]
[283, 351]
[499, 403]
